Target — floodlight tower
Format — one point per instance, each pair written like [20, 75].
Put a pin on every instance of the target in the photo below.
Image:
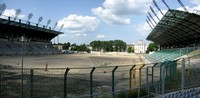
[182, 5]
[17, 13]
[55, 25]
[60, 30]
[150, 21]
[2, 8]
[149, 24]
[154, 12]
[30, 15]
[39, 20]
[48, 22]
[157, 7]
[166, 4]
[53, 29]
[151, 17]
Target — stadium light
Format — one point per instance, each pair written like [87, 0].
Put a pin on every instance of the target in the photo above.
[151, 17]
[40, 19]
[2, 8]
[182, 5]
[61, 27]
[17, 13]
[150, 21]
[55, 25]
[149, 24]
[154, 12]
[30, 15]
[48, 22]
[154, 2]
[166, 4]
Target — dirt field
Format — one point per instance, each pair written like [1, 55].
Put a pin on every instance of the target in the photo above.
[69, 60]
[50, 83]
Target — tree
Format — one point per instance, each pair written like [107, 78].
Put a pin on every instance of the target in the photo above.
[130, 50]
[81, 48]
[152, 47]
[66, 46]
[108, 46]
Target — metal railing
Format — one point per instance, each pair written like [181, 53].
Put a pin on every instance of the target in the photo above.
[122, 81]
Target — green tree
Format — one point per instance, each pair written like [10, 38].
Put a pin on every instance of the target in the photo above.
[108, 46]
[152, 47]
[130, 50]
[81, 48]
[66, 46]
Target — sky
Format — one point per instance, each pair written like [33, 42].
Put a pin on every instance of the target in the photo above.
[88, 20]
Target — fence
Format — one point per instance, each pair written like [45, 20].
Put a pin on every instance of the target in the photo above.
[127, 81]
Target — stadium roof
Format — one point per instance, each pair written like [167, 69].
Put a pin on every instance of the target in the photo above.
[9, 27]
[176, 28]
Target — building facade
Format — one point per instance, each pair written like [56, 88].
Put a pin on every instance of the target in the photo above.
[140, 46]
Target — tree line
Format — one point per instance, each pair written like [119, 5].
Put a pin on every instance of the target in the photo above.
[106, 46]
[109, 46]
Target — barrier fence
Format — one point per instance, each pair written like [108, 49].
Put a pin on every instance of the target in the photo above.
[122, 81]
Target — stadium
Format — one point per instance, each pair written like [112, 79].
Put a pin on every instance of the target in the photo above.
[30, 67]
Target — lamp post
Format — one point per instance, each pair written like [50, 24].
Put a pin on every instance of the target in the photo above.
[45, 58]
[22, 66]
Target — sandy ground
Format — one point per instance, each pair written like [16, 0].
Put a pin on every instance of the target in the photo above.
[78, 78]
[69, 60]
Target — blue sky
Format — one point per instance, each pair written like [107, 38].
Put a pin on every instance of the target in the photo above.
[88, 20]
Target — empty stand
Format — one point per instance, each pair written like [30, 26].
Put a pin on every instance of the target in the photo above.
[32, 48]
[168, 54]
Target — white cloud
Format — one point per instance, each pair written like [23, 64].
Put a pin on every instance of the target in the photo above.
[117, 11]
[143, 29]
[11, 13]
[109, 17]
[197, 2]
[79, 24]
[100, 36]
[80, 35]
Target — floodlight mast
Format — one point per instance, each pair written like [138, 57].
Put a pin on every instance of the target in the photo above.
[17, 13]
[149, 24]
[39, 20]
[157, 7]
[59, 31]
[30, 15]
[182, 5]
[61, 27]
[48, 22]
[150, 21]
[154, 12]
[166, 4]
[55, 25]
[2, 8]
[151, 17]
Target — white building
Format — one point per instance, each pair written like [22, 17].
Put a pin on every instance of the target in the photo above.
[140, 47]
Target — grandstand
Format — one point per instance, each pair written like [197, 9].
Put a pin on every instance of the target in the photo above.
[167, 75]
[178, 35]
[37, 37]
